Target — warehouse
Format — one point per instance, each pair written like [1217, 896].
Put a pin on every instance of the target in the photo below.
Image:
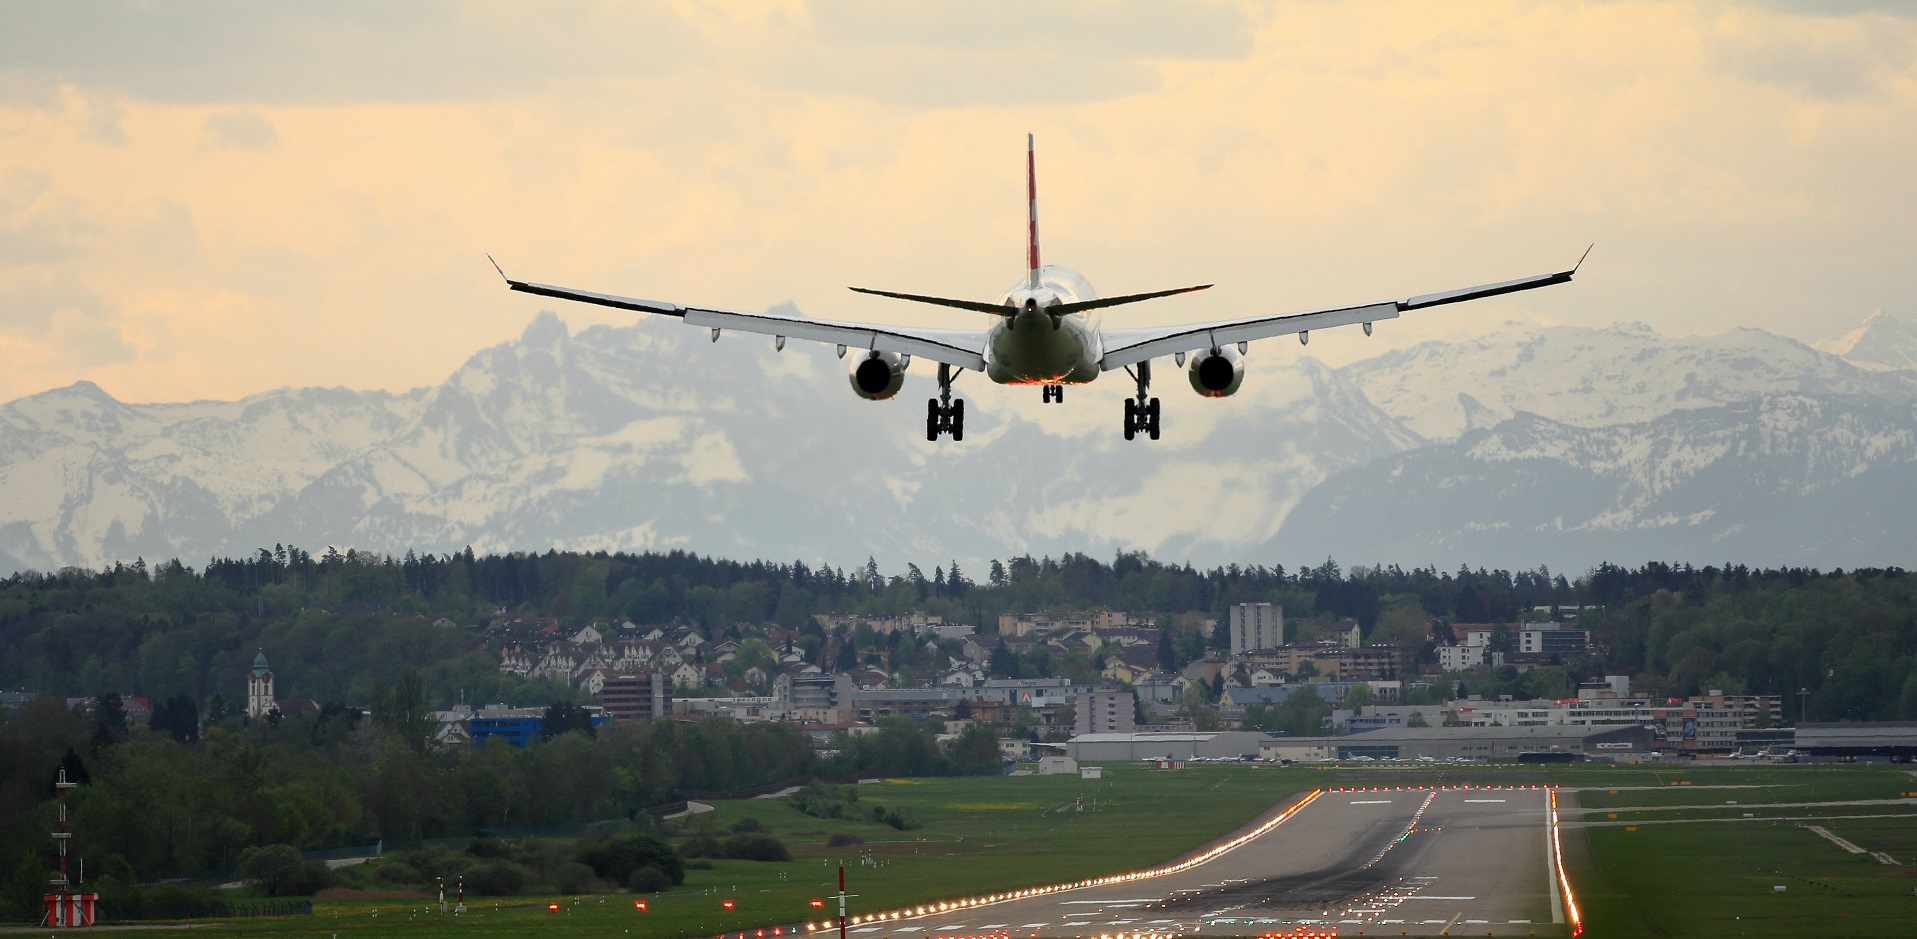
[1229, 744]
[1476, 743]
[1895, 741]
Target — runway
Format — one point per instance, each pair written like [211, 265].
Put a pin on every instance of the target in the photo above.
[1415, 861]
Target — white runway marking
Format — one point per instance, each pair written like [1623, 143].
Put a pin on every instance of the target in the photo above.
[1484, 800]
[1384, 801]
[1107, 902]
[1439, 898]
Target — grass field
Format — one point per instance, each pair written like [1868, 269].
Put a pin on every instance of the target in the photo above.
[993, 833]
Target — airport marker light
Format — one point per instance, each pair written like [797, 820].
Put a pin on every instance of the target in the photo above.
[1564, 882]
[989, 899]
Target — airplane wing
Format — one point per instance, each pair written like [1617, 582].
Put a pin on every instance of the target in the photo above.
[961, 348]
[1125, 347]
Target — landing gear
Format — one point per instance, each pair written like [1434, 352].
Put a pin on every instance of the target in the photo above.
[942, 414]
[1141, 413]
[1053, 393]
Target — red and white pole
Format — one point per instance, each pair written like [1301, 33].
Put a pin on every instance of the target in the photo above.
[842, 901]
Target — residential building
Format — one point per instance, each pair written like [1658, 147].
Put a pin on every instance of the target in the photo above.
[1256, 626]
[1105, 712]
[646, 694]
[811, 692]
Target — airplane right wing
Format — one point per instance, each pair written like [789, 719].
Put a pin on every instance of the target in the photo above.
[1125, 347]
[961, 348]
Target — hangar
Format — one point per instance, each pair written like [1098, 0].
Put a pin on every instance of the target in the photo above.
[1146, 745]
[1884, 740]
[1478, 743]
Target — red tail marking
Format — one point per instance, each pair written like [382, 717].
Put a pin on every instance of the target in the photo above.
[1031, 193]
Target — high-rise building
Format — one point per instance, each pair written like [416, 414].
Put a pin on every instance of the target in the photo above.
[646, 694]
[1105, 712]
[1256, 626]
[259, 688]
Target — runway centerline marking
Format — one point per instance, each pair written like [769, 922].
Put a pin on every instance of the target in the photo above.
[1381, 801]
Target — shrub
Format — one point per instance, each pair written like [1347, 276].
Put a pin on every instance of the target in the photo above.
[397, 872]
[821, 800]
[572, 877]
[756, 846]
[702, 846]
[841, 839]
[279, 870]
[649, 879]
[699, 865]
[615, 859]
[498, 878]
[748, 823]
[897, 818]
[487, 848]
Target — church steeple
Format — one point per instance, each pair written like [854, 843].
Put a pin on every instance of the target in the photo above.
[259, 688]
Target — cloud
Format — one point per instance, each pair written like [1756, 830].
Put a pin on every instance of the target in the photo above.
[223, 51]
[238, 130]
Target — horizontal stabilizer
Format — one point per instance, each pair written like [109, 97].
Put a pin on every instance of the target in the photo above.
[977, 306]
[1103, 302]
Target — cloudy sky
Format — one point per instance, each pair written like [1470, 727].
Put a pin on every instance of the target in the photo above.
[211, 199]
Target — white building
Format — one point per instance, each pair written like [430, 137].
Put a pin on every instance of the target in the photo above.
[1459, 658]
[1256, 626]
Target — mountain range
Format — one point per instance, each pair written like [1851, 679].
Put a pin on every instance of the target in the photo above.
[1528, 445]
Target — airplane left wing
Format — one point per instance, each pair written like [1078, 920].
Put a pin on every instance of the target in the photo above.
[1125, 347]
[960, 348]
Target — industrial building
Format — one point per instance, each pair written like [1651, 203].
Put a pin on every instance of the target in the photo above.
[1225, 744]
[1884, 740]
[1477, 743]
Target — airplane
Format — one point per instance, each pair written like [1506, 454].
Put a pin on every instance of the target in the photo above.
[1044, 331]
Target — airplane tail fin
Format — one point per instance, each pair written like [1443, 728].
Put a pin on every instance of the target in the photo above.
[1031, 194]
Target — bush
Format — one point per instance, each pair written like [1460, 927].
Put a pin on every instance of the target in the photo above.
[649, 879]
[842, 839]
[572, 877]
[615, 859]
[397, 872]
[897, 818]
[748, 823]
[488, 848]
[702, 846]
[498, 879]
[699, 865]
[756, 846]
[821, 800]
[279, 870]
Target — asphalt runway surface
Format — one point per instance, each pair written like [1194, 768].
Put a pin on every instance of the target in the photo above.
[1401, 861]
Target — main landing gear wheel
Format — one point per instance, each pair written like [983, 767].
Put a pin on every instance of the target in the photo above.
[1053, 393]
[1141, 413]
[942, 414]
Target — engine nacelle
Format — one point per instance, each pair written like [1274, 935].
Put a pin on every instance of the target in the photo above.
[877, 376]
[1216, 373]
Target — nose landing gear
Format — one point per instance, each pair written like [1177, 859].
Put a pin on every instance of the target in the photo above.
[1052, 393]
[942, 414]
[1141, 413]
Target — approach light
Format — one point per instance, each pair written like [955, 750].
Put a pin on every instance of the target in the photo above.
[553, 907]
[818, 904]
[727, 904]
[639, 905]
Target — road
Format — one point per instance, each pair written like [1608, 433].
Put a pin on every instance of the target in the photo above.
[1412, 861]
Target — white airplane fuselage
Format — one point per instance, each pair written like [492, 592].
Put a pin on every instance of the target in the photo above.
[1035, 348]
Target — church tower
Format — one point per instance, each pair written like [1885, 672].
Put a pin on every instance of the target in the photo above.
[259, 687]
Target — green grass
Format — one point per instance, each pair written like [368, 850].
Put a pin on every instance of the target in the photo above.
[978, 835]
[994, 833]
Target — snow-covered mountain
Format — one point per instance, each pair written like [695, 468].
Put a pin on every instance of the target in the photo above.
[1882, 341]
[1532, 445]
[1778, 480]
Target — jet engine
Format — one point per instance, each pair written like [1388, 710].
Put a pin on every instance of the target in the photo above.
[1216, 373]
[877, 376]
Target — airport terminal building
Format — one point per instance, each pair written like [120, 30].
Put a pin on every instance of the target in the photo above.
[1158, 745]
[1551, 742]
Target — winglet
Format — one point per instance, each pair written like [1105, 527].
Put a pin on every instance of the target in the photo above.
[502, 274]
[1581, 257]
[1031, 196]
